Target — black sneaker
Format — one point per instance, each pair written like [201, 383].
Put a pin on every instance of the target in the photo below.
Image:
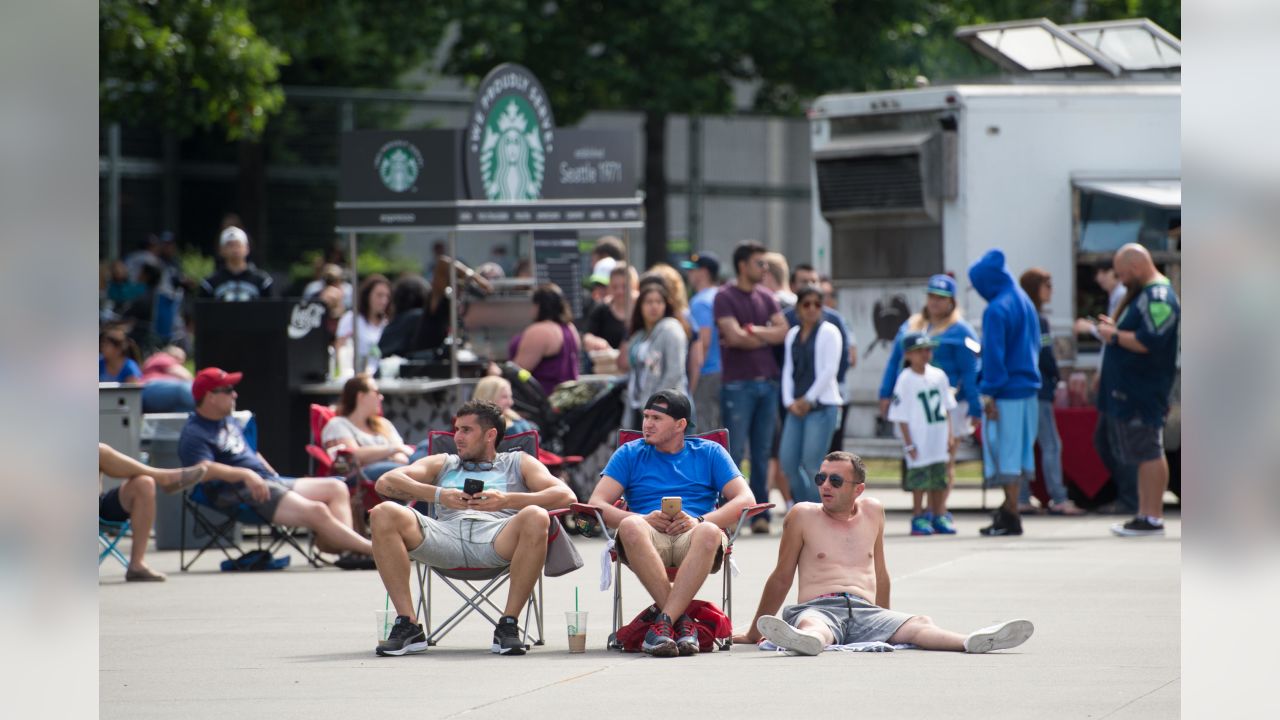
[506, 638]
[686, 634]
[1003, 523]
[355, 561]
[660, 641]
[1137, 527]
[406, 637]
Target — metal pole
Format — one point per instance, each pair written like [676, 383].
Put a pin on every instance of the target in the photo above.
[694, 205]
[113, 192]
[453, 306]
[355, 304]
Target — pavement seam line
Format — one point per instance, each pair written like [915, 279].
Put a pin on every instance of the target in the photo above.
[528, 692]
[1145, 694]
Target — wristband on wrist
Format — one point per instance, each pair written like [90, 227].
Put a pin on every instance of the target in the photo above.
[750, 330]
[908, 448]
[438, 491]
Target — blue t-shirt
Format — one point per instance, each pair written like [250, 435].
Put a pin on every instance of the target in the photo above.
[221, 441]
[696, 474]
[130, 369]
[701, 307]
[1138, 384]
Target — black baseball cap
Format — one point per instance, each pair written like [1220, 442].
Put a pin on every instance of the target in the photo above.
[670, 402]
[706, 260]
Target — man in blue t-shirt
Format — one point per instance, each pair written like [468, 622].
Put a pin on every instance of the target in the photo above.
[1138, 370]
[239, 474]
[665, 463]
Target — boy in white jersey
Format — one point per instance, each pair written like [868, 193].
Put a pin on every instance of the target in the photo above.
[921, 401]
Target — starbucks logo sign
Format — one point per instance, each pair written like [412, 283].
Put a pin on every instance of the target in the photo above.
[398, 164]
[509, 135]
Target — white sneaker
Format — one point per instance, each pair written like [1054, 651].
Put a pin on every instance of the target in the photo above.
[1011, 633]
[789, 637]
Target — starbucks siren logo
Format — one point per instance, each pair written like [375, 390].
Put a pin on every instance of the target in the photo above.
[512, 160]
[398, 164]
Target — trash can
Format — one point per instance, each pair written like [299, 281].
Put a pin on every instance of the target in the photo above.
[160, 432]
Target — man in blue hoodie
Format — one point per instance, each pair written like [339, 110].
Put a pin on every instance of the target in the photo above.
[1009, 385]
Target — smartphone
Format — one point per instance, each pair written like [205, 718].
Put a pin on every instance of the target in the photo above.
[671, 505]
[473, 486]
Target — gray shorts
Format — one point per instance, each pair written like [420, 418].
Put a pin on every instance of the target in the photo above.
[1134, 441]
[235, 493]
[850, 618]
[464, 542]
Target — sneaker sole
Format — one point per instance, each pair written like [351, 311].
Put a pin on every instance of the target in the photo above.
[666, 649]
[416, 647]
[784, 635]
[998, 533]
[687, 648]
[497, 649]
[1122, 531]
[999, 637]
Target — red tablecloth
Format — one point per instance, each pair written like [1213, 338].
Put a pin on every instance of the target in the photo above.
[1081, 465]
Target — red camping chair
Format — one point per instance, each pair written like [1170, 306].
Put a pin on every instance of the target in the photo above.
[722, 437]
[463, 581]
[323, 460]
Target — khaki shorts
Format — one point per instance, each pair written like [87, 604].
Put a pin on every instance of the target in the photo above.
[672, 549]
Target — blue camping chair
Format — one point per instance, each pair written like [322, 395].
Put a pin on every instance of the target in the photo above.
[218, 525]
[109, 535]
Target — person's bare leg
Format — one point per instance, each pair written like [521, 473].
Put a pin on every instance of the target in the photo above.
[331, 535]
[524, 542]
[695, 568]
[778, 479]
[395, 532]
[138, 498]
[116, 464]
[938, 502]
[1153, 480]
[921, 632]
[951, 472]
[1011, 498]
[812, 624]
[332, 492]
[643, 558]
[917, 502]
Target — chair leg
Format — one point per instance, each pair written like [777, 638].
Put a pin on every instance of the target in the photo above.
[612, 643]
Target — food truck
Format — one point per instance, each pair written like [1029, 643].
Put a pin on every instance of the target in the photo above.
[1067, 154]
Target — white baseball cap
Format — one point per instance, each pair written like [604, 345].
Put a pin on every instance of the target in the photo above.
[233, 234]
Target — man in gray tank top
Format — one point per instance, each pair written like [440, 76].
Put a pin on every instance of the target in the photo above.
[505, 524]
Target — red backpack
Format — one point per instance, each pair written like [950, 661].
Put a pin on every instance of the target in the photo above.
[712, 625]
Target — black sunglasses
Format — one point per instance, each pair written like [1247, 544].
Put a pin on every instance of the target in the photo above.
[835, 480]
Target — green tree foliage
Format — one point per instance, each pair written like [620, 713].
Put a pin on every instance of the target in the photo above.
[186, 66]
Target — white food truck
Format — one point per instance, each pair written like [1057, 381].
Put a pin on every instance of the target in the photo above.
[1070, 153]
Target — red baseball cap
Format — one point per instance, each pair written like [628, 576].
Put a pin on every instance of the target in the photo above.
[210, 378]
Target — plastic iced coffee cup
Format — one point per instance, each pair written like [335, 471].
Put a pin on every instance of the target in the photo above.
[577, 626]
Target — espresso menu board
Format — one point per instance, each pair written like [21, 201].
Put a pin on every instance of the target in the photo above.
[560, 262]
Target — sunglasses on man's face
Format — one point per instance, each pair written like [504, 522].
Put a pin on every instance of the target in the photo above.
[835, 480]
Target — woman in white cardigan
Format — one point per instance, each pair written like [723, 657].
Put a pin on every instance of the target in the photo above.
[810, 393]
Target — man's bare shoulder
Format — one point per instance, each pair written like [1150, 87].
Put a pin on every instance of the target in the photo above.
[802, 514]
[872, 506]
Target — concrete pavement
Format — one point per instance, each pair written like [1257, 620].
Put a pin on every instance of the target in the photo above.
[299, 643]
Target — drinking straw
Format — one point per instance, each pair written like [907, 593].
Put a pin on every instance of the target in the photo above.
[575, 599]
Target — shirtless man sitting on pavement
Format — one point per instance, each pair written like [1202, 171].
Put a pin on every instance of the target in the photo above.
[839, 549]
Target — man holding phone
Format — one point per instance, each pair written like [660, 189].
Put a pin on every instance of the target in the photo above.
[491, 511]
[671, 483]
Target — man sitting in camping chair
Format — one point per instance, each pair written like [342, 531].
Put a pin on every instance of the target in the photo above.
[505, 524]
[665, 463]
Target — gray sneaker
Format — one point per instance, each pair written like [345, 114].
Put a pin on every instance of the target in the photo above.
[1006, 635]
[784, 635]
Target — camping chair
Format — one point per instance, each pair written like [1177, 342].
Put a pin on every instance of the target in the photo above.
[466, 582]
[218, 525]
[726, 569]
[109, 536]
[323, 459]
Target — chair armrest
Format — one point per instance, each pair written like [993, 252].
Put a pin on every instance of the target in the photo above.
[748, 512]
[593, 512]
[559, 513]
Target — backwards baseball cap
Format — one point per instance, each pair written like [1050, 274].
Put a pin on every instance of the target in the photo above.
[705, 260]
[210, 378]
[233, 234]
[917, 341]
[670, 402]
[943, 285]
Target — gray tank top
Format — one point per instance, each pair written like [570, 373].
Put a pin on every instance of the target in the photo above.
[502, 474]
